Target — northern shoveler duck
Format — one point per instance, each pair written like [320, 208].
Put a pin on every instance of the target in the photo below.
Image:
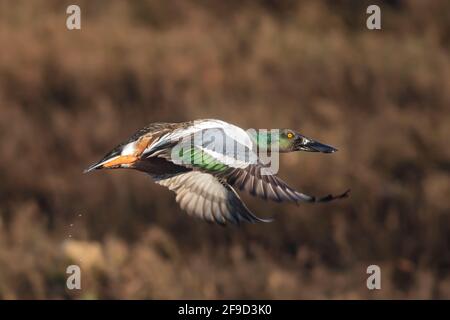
[194, 159]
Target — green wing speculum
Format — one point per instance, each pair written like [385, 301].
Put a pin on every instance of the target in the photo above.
[196, 157]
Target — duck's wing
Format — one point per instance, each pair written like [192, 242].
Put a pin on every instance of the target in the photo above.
[269, 186]
[205, 196]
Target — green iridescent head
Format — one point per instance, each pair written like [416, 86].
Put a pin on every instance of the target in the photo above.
[287, 140]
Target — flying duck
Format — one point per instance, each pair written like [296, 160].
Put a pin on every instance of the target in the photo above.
[203, 161]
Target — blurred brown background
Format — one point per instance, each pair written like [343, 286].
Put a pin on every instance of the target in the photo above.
[382, 97]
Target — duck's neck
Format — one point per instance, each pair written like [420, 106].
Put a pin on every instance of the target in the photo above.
[264, 139]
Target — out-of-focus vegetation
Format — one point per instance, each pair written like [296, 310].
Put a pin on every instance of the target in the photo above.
[382, 97]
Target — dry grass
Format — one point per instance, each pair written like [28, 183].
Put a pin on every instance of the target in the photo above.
[382, 97]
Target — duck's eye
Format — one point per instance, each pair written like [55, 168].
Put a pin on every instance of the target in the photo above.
[290, 135]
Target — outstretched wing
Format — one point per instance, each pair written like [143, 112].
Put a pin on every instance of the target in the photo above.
[205, 196]
[267, 186]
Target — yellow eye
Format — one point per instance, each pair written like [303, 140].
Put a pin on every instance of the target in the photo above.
[290, 135]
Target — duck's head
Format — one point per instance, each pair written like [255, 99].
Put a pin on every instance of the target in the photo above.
[288, 140]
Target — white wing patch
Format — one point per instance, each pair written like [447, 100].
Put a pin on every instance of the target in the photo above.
[241, 160]
[230, 130]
